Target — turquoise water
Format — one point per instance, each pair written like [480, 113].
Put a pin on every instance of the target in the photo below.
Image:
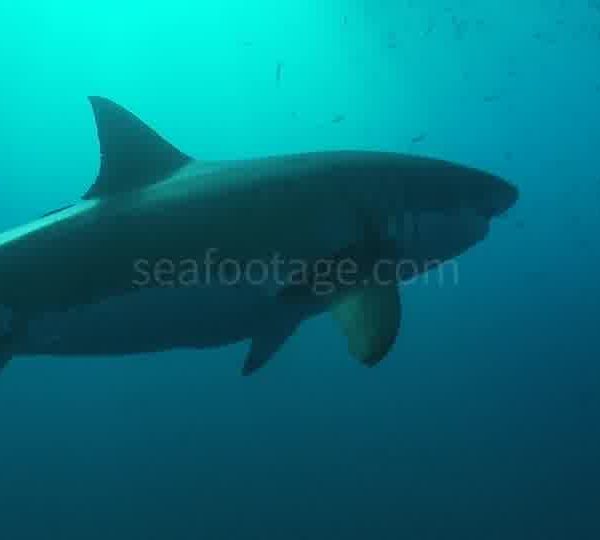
[482, 424]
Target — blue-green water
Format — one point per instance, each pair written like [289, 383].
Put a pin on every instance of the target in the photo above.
[482, 424]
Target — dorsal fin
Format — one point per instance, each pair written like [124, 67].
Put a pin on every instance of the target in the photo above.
[133, 155]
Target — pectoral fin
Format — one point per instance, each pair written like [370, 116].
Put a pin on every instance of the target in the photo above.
[370, 319]
[265, 346]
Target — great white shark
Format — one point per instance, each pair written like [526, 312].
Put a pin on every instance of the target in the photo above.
[139, 263]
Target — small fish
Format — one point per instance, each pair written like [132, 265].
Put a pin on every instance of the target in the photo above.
[279, 72]
[460, 28]
[491, 98]
[338, 119]
[430, 27]
[418, 138]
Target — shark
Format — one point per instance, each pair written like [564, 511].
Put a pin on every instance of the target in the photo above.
[166, 251]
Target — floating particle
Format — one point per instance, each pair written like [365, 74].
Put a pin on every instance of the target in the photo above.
[460, 28]
[491, 98]
[430, 27]
[392, 41]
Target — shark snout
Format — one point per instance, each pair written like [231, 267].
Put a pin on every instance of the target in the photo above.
[489, 195]
[502, 197]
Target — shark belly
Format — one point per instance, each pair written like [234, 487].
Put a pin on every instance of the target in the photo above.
[151, 320]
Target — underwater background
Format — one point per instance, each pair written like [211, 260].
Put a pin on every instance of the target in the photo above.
[484, 421]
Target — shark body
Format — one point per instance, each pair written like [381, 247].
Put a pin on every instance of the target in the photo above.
[84, 279]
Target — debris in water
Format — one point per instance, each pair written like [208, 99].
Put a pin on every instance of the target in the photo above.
[392, 40]
[430, 27]
[460, 28]
[491, 98]
[418, 138]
